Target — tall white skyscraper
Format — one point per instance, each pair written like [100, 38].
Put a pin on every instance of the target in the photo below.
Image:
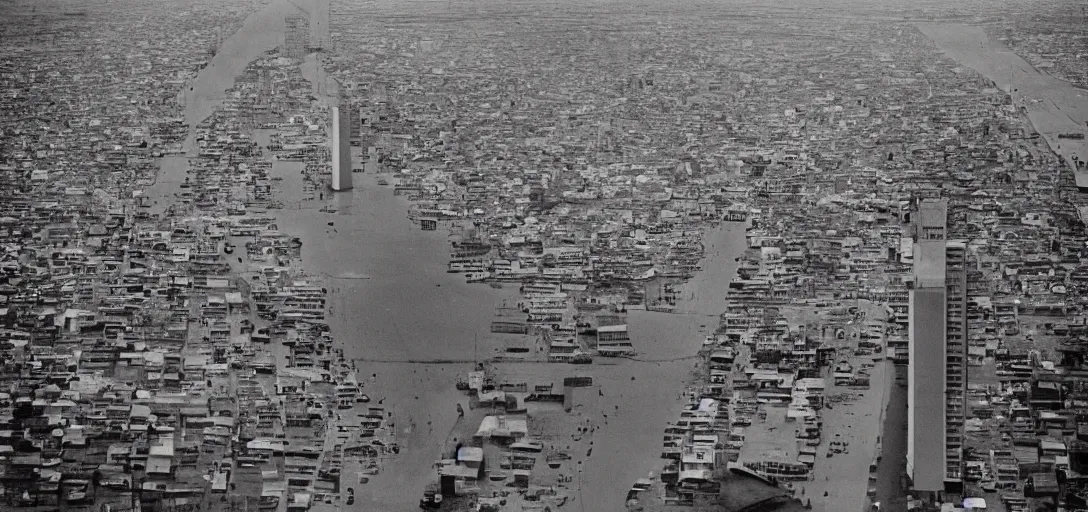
[341, 149]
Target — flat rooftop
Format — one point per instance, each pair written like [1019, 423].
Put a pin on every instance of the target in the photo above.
[933, 213]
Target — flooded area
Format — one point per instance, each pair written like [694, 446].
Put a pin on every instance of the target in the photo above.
[627, 441]
[595, 257]
[395, 309]
[262, 31]
[1056, 108]
[413, 329]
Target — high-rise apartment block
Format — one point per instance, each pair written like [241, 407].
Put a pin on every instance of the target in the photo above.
[356, 125]
[296, 35]
[937, 386]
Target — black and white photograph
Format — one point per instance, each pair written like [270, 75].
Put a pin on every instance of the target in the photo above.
[543, 255]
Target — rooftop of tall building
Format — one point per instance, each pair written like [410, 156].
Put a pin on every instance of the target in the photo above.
[933, 212]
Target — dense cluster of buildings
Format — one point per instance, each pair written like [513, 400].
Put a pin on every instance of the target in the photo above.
[832, 176]
[148, 362]
[900, 210]
[1052, 40]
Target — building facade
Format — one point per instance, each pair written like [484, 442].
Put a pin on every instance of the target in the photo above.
[937, 385]
[296, 35]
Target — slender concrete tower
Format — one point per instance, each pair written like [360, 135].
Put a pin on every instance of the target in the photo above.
[936, 396]
[341, 149]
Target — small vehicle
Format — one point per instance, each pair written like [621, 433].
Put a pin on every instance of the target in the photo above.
[76, 497]
[431, 499]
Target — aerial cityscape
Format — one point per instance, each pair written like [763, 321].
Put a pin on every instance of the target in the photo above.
[543, 255]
